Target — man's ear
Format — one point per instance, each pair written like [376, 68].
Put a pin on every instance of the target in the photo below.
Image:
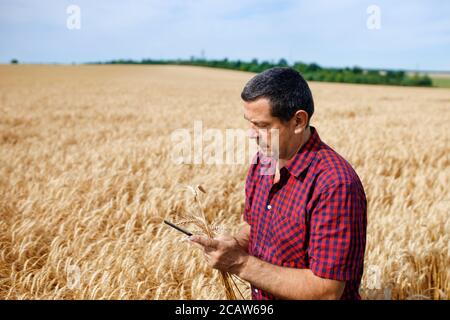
[301, 121]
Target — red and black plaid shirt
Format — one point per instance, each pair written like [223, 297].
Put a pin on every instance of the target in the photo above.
[315, 217]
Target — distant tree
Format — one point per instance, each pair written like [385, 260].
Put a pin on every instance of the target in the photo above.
[301, 67]
[313, 67]
[282, 62]
[14, 61]
[265, 65]
[357, 70]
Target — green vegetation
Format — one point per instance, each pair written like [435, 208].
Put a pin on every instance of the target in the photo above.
[311, 71]
[441, 82]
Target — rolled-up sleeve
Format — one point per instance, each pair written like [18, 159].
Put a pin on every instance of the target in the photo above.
[338, 232]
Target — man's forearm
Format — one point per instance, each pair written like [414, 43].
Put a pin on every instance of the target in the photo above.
[288, 283]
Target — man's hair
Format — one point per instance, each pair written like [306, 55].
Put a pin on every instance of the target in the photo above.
[286, 90]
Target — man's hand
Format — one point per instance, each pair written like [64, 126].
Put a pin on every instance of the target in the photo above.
[226, 254]
[243, 236]
[223, 253]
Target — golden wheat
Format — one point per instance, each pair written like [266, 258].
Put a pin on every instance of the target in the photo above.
[86, 178]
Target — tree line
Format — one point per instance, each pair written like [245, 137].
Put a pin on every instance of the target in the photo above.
[311, 71]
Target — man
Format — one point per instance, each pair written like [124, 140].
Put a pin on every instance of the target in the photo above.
[305, 231]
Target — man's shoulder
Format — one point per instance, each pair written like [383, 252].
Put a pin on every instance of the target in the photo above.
[333, 169]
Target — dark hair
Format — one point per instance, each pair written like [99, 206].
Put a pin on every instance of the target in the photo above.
[285, 89]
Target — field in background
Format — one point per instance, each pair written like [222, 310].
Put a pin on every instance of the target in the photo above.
[439, 79]
[441, 82]
[86, 177]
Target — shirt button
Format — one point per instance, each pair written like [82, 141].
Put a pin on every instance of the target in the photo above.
[269, 207]
[256, 290]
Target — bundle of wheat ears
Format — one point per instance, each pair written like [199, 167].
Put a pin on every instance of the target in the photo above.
[198, 220]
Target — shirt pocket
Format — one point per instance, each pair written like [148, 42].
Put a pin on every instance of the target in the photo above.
[288, 238]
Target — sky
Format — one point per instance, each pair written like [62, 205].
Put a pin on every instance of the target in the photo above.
[412, 35]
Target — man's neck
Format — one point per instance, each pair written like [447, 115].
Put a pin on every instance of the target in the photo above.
[305, 137]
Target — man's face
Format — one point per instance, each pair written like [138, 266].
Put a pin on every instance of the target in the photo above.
[264, 128]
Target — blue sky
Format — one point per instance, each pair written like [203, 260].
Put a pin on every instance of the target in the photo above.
[413, 34]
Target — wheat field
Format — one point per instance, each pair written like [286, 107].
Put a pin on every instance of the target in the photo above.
[86, 179]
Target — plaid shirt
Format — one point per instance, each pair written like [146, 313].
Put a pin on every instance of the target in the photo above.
[315, 217]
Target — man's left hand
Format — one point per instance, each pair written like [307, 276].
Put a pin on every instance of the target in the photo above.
[223, 253]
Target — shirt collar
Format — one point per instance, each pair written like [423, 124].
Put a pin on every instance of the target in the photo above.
[302, 159]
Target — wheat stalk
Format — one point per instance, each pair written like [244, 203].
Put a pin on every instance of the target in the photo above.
[226, 278]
